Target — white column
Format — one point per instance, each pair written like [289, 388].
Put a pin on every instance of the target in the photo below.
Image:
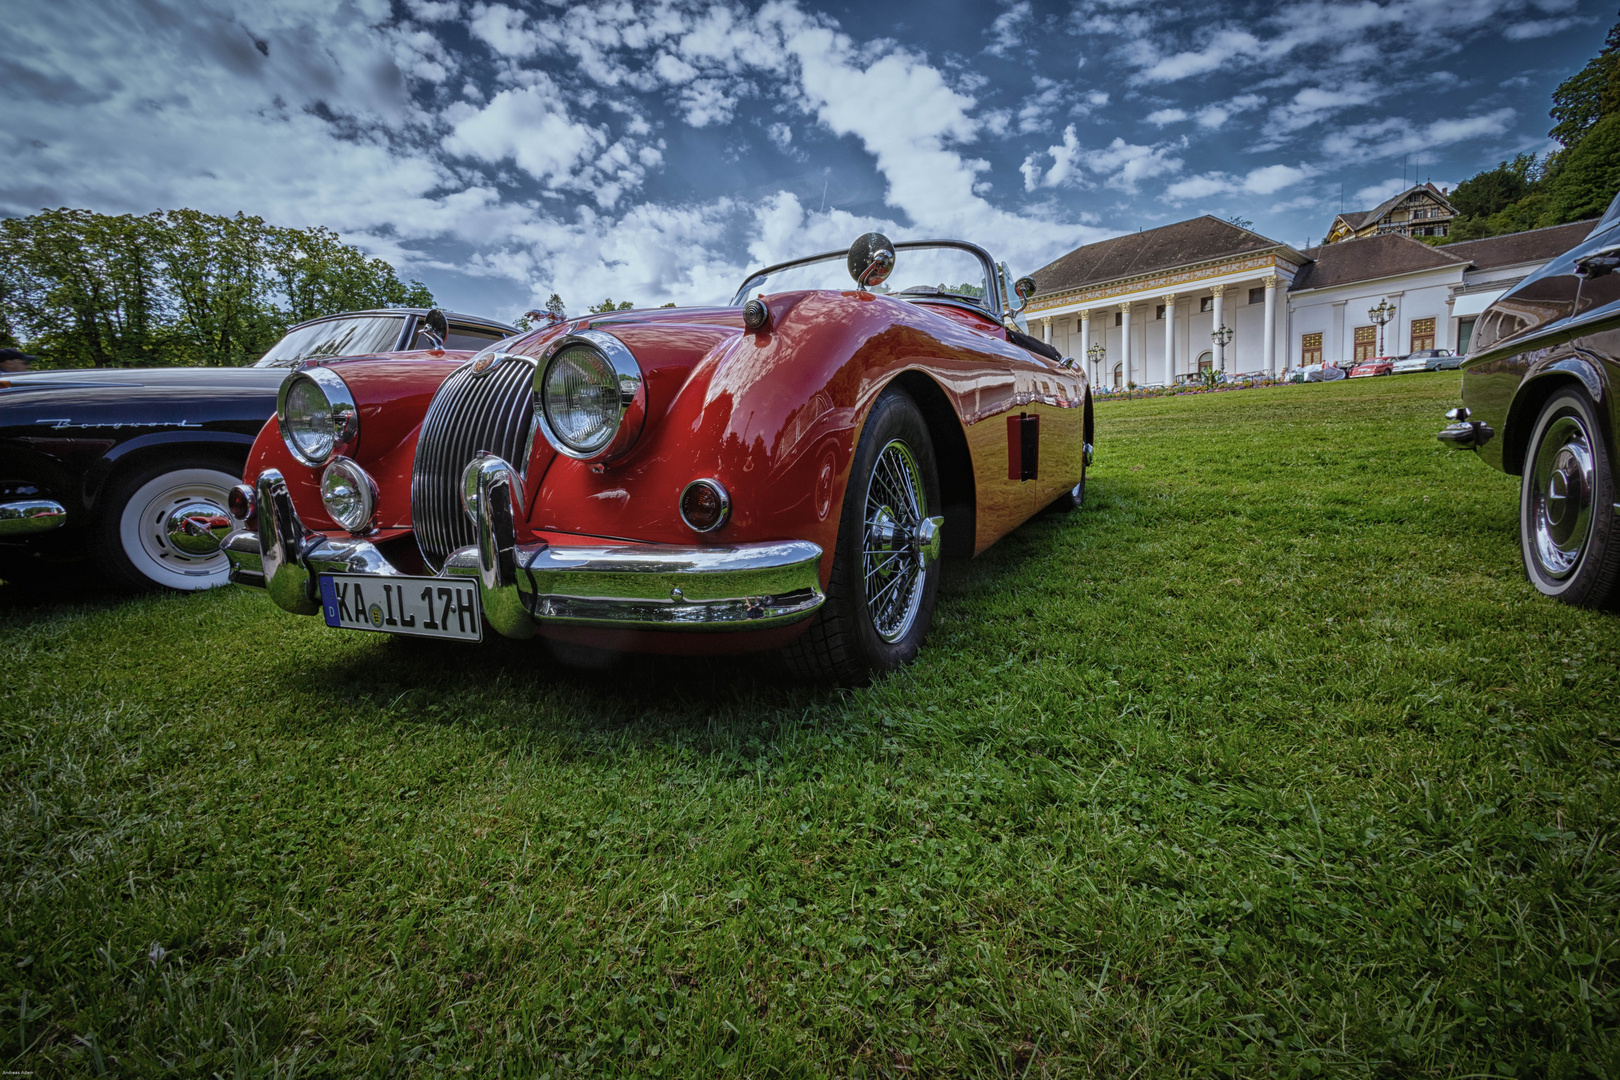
[1218, 291]
[1125, 339]
[1169, 338]
[1335, 353]
[1085, 342]
[1442, 326]
[1268, 350]
[1046, 330]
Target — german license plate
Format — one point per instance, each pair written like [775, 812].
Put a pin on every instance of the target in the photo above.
[418, 606]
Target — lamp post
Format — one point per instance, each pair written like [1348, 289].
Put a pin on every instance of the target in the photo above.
[1381, 314]
[1096, 354]
[1221, 336]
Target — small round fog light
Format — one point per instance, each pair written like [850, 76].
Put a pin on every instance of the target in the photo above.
[705, 506]
[348, 493]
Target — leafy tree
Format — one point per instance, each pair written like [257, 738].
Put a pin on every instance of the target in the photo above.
[1570, 184]
[220, 275]
[319, 274]
[556, 308]
[1589, 95]
[88, 289]
[1240, 221]
[84, 287]
[607, 305]
[1485, 193]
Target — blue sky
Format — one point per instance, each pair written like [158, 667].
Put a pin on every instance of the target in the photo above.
[654, 151]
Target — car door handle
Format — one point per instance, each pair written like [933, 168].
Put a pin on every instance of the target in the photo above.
[1600, 262]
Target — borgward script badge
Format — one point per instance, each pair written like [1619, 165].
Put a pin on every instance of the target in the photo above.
[482, 363]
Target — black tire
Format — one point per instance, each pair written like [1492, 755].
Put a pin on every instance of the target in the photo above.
[845, 643]
[1567, 531]
[1073, 499]
[129, 542]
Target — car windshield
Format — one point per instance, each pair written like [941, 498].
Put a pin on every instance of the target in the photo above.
[355, 335]
[919, 273]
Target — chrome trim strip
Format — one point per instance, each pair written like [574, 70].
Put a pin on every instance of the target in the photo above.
[632, 586]
[28, 516]
[494, 498]
[282, 540]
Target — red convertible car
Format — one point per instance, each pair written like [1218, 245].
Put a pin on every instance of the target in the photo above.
[784, 472]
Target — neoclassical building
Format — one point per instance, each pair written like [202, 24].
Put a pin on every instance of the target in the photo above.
[1151, 300]
[1142, 308]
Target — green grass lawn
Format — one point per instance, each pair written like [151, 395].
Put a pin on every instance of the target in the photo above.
[1267, 762]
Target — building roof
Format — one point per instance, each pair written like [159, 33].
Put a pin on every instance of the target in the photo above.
[1368, 257]
[1389, 204]
[1184, 243]
[1533, 246]
[1354, 219]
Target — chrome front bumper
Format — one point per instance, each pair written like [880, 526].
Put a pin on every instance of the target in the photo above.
[524, 586]
[29, 516]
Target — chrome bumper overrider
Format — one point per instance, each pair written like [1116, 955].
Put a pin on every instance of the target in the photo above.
[28, 516]
[523, 586]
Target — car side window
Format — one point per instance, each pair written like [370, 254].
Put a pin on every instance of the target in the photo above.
[462, 337]
[465, 337]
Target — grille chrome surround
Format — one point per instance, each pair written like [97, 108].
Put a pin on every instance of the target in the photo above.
[473, 413]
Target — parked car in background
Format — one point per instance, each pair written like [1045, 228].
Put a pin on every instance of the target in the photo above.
[1422, 360]
[1378, 365]
[783, 472]
[1539, 401]
[134, 465]
[1315, 373]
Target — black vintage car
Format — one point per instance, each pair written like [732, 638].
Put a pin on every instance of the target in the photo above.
[1539, 389]
[136, 463]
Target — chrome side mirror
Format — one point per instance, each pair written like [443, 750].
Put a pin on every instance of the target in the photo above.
[1025, 288]
[435, 327]
[871, 259]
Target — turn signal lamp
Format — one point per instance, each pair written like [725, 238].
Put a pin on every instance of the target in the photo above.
[705, 505]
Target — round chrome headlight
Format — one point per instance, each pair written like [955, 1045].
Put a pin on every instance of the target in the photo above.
[348, 494]
[317, 416]
[590, 400]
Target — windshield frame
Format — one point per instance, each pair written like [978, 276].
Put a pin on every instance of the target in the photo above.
[407, 318]
[995, 307]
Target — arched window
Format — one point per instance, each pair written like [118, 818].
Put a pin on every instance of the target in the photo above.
[1206, 360]
[1119, 376]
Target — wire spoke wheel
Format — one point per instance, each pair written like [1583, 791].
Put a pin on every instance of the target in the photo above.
[892, 560]
[885, 574]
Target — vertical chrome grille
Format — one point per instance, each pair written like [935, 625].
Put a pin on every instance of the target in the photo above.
[470, 414]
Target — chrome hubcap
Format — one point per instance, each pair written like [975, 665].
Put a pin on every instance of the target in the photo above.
[1561, 483]
[898, 542]
[197, 529]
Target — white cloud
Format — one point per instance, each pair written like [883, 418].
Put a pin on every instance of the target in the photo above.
[529, 127]
[1396, 135]
[1215, 116]
[1265, 180]
[505, 30]
[1122, 165]
[1161, 117]
[1008, 29]
[1536, 28]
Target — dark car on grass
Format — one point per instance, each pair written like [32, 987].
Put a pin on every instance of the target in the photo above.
[1538, 391]
[136, 463]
